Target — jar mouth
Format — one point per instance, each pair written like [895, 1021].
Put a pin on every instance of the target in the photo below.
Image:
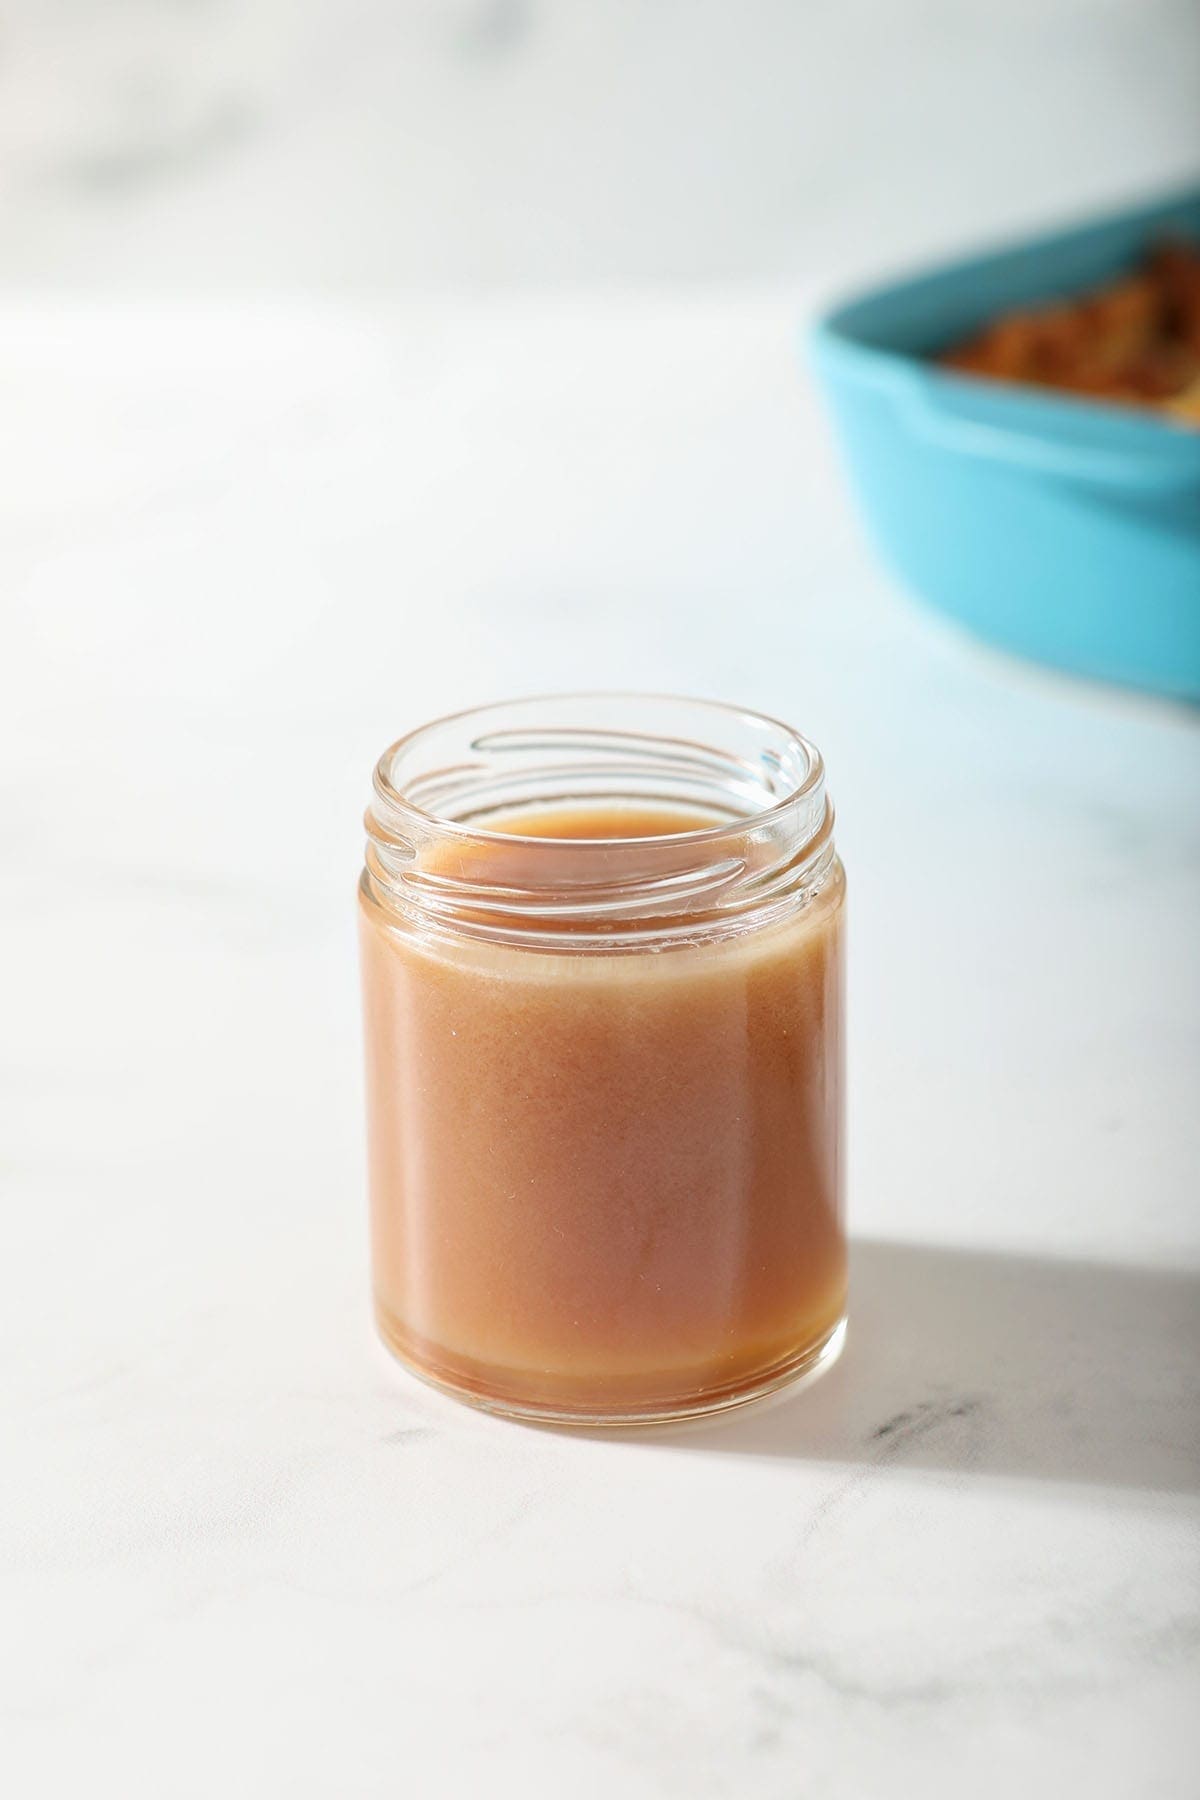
[431, 848]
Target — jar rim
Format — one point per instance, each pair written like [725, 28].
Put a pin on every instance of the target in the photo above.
[397, 799]
[773, 847]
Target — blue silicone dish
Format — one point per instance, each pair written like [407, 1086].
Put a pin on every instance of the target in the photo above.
[1062, 529]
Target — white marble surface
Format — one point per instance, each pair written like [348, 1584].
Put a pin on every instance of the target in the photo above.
[240, 1553]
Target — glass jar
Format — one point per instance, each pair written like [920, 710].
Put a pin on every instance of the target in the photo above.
[602, 964]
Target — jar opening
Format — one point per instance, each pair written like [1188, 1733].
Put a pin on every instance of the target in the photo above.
[432, 850]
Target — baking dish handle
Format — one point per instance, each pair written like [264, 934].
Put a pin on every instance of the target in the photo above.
[1060, 457]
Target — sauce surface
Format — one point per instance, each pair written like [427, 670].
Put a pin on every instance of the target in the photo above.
[608, 821]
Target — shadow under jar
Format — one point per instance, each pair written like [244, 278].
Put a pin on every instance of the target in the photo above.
[602, 966]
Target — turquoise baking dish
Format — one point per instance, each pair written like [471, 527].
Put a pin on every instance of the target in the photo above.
[1065, 530]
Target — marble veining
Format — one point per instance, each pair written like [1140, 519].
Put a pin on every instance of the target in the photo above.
[353, 144]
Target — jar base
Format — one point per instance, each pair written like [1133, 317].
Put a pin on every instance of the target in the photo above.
[796, 1370]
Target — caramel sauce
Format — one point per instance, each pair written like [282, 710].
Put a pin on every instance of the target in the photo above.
[606, 1182]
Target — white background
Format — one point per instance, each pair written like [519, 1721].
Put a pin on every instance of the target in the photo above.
[352, 143]
[271, 492]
